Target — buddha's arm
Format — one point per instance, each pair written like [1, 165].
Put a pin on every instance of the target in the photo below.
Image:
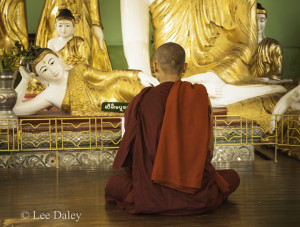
[99, 34]
[96, 22]
[50, 44]
[285, 102]
[23, 85]
[281, 107]
[32, 106]
[135, 32]
[94, 12]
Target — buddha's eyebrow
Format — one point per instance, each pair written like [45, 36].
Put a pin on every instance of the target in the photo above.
[42, 68]
[49, 60]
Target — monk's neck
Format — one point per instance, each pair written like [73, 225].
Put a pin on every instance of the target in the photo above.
[170, 78]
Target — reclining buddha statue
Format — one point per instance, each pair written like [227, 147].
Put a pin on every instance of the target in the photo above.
[79, 91]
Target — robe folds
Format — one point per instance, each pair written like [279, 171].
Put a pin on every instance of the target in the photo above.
[146, 186]
[218, 36]
[88, 88]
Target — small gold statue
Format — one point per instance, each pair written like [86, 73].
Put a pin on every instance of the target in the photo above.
[72, 49]
[267, 59]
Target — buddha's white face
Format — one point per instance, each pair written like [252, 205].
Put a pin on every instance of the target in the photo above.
[65, 28]
[50, 68]
[261, 23]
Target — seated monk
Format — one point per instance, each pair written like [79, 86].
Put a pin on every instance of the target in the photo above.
[168, 146]
[79, 91]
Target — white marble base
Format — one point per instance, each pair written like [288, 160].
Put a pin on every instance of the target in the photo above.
[234, 153]
[103, 158]
[90, 158]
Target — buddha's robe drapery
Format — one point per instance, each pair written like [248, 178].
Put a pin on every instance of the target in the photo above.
[217, 35]
[267, 60]
[12, 23]
[86, 13]
[259, 109]
[88, 88]
[75, 52]
[135, 191]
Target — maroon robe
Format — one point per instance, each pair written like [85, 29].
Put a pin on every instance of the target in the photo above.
[135, 191]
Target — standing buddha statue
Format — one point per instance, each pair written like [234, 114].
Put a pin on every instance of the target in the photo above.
[88, 27]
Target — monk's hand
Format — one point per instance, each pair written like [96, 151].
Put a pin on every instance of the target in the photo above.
[147, 80]
[100, 36]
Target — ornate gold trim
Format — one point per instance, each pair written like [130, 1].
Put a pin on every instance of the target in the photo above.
[261, 11]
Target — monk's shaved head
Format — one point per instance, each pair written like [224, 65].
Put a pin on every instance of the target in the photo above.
[170, 57]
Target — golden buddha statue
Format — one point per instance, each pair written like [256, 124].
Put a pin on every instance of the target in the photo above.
[12, 24]
[218, 36]
[267, 59]
[88, 28]
[266, 64]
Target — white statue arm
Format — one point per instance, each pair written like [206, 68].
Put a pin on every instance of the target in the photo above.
[147, 80]
[32, 106]
[211, 81]
[222, 94]
[135, 33]
[50, 44]
[287, 101]
[99, 35]
[23, 85]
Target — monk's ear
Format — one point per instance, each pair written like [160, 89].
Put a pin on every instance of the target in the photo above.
[185, 67]
[155, 67]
